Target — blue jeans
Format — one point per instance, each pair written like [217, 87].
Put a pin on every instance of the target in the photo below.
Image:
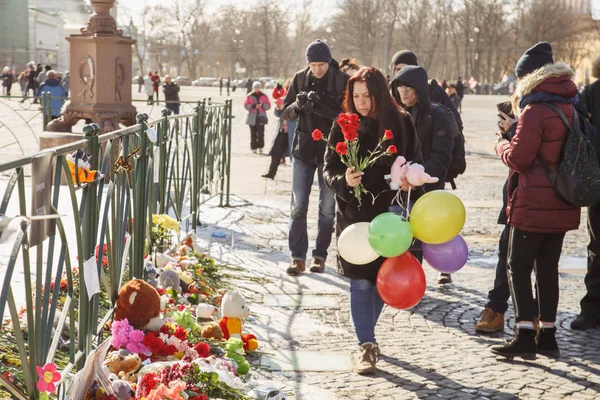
[303, 176]
[365, 308]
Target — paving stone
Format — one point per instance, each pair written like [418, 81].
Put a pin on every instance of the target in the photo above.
[301, 301]
[284, 360]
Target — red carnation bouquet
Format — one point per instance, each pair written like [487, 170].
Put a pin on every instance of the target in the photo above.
[348, 149]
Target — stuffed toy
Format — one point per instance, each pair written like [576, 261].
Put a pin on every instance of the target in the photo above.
[185, 319]
[404, 173]
[140, 304]
[234, 350]
[169, 279]
[417, 176]
[235, 311]
[151, 275]
[123, 364]
[212, 330]
[205, 312]
[123, 390]
[84, 172]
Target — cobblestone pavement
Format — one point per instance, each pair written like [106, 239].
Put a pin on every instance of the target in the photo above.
[430, 351]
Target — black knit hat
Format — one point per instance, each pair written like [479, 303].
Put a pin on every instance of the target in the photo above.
[534, 58]
[404, 57]
[318, 51]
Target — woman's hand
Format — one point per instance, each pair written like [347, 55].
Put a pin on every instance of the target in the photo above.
[505, 122]
[353, 178]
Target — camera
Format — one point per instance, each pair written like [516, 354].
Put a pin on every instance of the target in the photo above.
[313, 96]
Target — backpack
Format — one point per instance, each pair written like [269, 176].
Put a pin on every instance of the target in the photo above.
[458, 165]
[577, 179]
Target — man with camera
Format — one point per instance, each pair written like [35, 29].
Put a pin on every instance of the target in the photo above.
[314, 99]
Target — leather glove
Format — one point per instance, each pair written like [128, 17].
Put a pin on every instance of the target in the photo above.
[301, 99]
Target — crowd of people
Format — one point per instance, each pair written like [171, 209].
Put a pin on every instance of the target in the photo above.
[34, 78]
[425, 123]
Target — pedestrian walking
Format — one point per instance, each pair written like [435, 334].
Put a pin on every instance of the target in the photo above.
[149, 84]
[367, 95]
[249, 86]
[314, 100]
[7, 80]
[454, 97]
[280, 148]
[171, 92]
[57, 92]
[228, 85]
[590, 304]
[538, 219]
[220, 86]
[66, 82]
[140, 82]
[257, 103]
[155, 84]
[460, 90]
[22, 79]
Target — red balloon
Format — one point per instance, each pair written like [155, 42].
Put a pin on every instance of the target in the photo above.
[401, 281]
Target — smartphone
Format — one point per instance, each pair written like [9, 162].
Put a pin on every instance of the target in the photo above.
[506, 108]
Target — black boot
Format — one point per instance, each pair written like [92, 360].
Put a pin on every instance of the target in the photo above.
[546, 342]
[523, 345]
[584, 321]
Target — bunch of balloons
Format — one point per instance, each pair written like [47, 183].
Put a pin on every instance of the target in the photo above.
[435, 219]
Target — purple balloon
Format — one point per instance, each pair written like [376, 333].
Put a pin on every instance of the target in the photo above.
[447, 257]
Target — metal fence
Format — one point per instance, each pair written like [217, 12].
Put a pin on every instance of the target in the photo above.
[169, 165]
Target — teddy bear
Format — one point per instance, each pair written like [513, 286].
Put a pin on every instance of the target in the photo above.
[139, 302]
[404, 173]
[169, 279]
[123, 364]
[123, 390]
[84, 171]
[235, 351]
[234, 311]
[212, 330]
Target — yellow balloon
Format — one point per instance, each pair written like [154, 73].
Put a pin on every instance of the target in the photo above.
[437, 217]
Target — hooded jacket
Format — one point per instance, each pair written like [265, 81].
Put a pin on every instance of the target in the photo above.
[330, 89]
[57, 93]
[437, 94]
[348, 211]
[433, 127]
[532, 203]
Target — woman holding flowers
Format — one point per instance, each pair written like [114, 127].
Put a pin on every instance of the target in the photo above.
[363, 144]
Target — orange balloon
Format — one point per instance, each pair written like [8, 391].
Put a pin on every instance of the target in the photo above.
[401, 281]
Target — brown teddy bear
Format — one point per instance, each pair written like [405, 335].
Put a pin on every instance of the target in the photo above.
[212, 330]
[139, 302]
[123, 364]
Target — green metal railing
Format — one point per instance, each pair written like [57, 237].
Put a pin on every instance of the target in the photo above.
[188, 165]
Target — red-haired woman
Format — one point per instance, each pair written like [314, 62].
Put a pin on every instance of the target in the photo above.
[367, 94]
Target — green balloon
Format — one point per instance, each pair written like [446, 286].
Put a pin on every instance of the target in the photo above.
[390, 235]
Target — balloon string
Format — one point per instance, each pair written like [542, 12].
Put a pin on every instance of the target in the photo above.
[408, 202]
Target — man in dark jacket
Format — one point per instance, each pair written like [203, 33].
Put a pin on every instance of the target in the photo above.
[410, 88]
[171, 91]
[314, 99]
[460, 88]
[590, 304]
[436, 92]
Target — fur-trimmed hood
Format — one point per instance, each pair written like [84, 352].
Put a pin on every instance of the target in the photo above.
[531, 82]
[596, 68]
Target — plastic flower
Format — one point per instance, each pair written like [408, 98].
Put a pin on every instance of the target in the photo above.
[317, 135]
[388, 134]
[341, 148]
[48, 377]
[392, 149]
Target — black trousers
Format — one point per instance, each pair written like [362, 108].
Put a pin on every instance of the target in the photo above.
[173, 107]
[500, 293]
[526, 250]
[590, 304]
[279, 147]
[257, 137]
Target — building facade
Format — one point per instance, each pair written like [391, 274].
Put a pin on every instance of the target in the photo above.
[47, 39]
[14, 33]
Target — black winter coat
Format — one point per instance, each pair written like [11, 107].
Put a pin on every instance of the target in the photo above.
[171, 92]
[433, 127]
[320, 116]
[591, 98]
[437, 94]
[348, 211]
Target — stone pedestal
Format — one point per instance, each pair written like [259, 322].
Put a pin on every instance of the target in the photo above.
[100, 74]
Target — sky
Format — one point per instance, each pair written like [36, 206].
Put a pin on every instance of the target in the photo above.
[321, 8]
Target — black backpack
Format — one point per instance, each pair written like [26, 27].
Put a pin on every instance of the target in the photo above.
[577, 179]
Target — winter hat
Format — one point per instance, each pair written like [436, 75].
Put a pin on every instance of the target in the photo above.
[318, 51]
[534, 58]
[404, 57]
[256, 85]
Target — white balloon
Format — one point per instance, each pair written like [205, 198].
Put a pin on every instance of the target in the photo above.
[353, 244]
[152, 135]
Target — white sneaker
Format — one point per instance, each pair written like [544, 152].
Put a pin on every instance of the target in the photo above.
[254, 151]
[260, 151]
